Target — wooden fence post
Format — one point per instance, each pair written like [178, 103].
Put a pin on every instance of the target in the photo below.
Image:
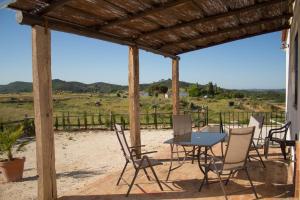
[1, 126]
[111, 121]
[68, 121]
[85, 120]
[56, 123]
[78, 122]
[63, 121]
[155, 117]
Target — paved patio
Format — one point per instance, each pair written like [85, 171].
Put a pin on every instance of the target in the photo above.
[275, 181]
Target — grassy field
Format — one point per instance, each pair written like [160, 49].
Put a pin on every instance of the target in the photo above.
[16, 106]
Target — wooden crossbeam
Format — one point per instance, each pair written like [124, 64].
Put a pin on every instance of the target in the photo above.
[63, 26]
[141, 14]
[226, 30]
[51, 6]
[285, 26]
[213, 17]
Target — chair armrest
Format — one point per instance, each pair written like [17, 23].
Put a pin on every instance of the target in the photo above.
[133, 147]
[275, 130]
[145, 153]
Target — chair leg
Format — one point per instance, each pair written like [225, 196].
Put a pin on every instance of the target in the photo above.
[266, 147]
[132, 182]
[261, 160]
[147, 175]
[222, 148]
[122, 172]
[282, 146]
[222, 186]
[193, 156]
[227, 181]
[252, 186]
[156, 178]
[171, 162]
[202, 183]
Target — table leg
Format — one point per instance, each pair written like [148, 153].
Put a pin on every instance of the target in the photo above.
[171, 161]
[172, 158]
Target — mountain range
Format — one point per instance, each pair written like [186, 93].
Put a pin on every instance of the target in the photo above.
[78, 87]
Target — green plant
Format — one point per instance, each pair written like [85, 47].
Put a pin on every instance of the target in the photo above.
[8, 139]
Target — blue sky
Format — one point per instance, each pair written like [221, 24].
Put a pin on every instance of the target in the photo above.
[250, 63]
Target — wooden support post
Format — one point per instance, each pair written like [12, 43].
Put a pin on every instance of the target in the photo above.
[134, 104]
[175, 86]
[42, 94]
[297, 170]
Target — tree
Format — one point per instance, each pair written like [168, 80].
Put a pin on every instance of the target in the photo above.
[210, 89]
[194, 91]
[163, 89]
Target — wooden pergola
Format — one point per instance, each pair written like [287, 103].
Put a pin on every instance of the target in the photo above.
[165, 27]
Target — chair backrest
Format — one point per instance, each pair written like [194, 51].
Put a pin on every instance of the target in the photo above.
[182, 125]
[212, 129]
[285, 129]
[238, 147]
[123, 142]
[258, 122]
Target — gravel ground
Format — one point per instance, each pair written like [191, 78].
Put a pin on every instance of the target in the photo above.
[81, 158]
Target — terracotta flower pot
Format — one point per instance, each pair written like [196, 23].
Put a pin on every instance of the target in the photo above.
[12, 170]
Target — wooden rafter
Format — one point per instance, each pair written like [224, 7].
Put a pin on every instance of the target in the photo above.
[63, 26]
[226, 30]
[213, 17]
[154, 9]
[49, 7]
[121, 9]
[285, 26]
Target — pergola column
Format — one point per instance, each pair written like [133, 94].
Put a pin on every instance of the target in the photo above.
[134, 104]
[42, 95]
[175, 86]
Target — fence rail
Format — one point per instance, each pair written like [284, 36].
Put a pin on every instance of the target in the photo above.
[241, 119]
[89, 121]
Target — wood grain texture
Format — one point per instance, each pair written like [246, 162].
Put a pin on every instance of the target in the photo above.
[134, 104]
[43, 111]
[297, 172]
[175, 86]
[165, 27]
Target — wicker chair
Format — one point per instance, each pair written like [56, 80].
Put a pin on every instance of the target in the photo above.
[131, 156]
[235, 159]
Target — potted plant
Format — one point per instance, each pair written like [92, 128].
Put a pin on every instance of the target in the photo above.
[11, 167]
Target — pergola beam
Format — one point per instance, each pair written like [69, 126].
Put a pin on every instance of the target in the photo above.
[286, 26]
[51, 6]
[213, 17]
[141, 14]
[68, 27]
[225, 30]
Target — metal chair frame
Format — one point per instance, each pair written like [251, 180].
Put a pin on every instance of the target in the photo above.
[220, 172]
[138, 164]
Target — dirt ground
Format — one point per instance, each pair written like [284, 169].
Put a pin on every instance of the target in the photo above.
[81, 158]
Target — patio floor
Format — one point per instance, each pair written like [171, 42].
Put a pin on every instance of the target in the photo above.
[275, 181]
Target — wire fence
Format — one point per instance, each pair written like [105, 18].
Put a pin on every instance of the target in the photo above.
[104, 121]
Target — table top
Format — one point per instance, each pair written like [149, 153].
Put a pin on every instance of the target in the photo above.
[204, 139]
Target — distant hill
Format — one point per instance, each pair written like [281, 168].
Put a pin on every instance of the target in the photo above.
[78, 87]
